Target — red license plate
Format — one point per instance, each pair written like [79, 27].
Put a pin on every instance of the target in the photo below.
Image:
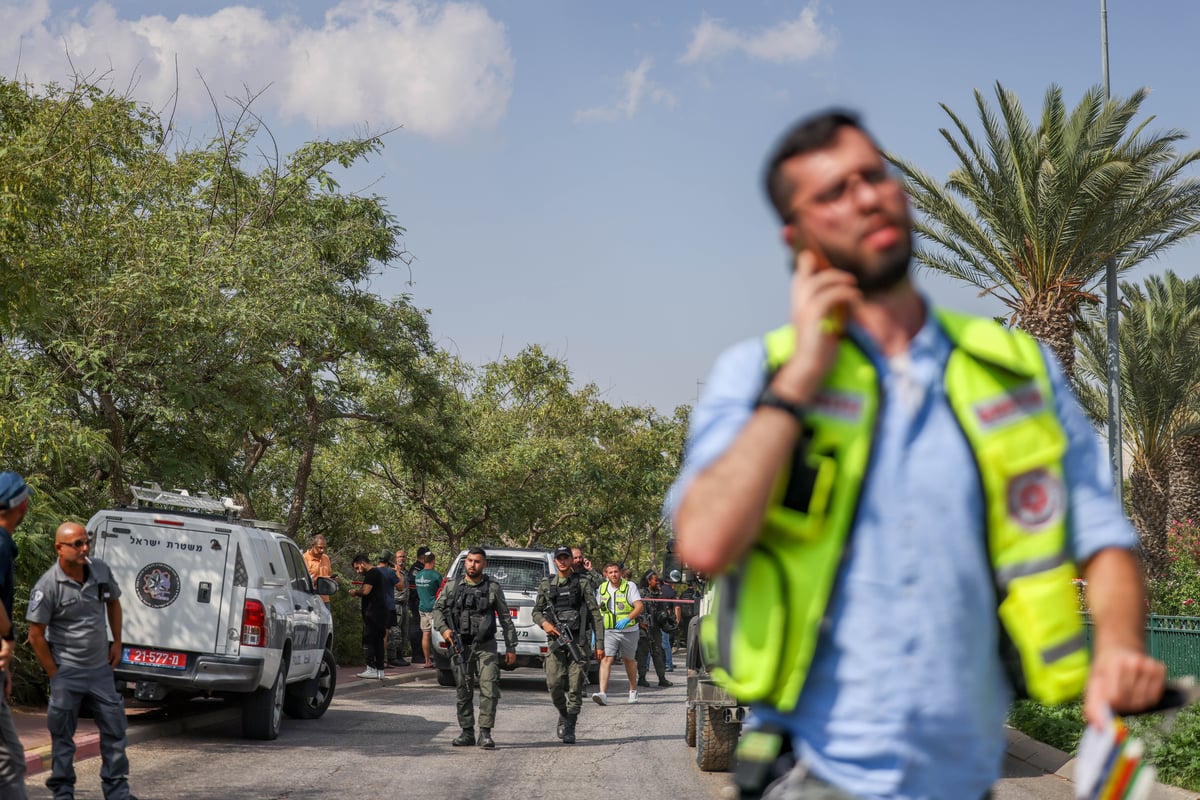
[145, 657]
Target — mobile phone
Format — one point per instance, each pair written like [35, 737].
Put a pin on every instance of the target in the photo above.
[837, 317]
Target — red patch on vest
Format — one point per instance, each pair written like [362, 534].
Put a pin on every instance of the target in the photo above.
[1036, 499]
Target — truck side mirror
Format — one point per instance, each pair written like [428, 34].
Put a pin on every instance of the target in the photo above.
[327, 586]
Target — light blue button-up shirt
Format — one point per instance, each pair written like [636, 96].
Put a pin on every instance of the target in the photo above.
[906, 696]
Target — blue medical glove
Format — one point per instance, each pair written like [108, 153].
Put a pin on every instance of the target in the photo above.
[624, 623]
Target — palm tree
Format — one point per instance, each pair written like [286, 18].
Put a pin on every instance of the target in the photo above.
[1159, 337]
[1031, 215]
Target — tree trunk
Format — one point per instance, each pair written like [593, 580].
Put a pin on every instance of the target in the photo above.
[116, 439]
[312, 428]
[1148, 494]
[1184, 504]
[1051, 320]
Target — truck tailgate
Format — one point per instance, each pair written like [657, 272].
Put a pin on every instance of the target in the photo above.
[171, 580]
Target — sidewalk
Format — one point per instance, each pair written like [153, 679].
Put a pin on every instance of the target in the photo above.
[1055, 762]
[150, 722]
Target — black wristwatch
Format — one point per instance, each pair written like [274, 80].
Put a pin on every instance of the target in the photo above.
[769, 399]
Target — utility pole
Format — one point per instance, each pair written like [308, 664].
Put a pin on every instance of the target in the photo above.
[1112, 314]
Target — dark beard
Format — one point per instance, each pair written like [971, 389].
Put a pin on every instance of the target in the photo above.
[892, 274]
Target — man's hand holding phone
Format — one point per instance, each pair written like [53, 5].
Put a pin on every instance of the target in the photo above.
[821, 297]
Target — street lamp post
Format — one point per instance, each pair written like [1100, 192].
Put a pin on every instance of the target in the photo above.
[1112, 315]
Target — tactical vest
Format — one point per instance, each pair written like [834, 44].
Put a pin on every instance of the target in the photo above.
[471, 612]
[567, 600]
[767, 612]
[624, 607]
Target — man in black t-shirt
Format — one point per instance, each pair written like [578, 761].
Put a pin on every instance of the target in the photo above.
[374, 615]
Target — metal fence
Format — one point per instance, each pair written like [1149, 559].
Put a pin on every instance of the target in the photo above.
[1173, 640]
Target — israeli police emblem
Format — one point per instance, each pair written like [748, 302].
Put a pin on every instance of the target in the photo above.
[157, 585]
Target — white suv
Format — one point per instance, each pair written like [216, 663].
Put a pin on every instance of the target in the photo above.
[214, 604]
[519, 573]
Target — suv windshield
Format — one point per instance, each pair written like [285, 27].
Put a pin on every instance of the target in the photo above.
[516, 574]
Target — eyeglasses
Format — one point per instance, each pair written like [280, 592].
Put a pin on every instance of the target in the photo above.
[77, 544]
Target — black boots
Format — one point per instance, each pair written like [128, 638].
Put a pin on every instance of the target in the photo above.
[465, 739]
[485, 739]
[568, 728]
[562, 725]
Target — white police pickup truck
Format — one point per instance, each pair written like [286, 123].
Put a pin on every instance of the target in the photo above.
[216, 605]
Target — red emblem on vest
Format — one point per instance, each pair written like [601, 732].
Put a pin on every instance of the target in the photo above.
[1036, 499]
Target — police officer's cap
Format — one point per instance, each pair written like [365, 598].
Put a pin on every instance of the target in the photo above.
[13, 490]
[563, 550]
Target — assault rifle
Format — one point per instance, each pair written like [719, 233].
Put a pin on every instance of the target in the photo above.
[566, 638]
[459, 655]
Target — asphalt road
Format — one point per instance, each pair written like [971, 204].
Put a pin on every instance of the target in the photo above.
[391, 739]
[396, 739]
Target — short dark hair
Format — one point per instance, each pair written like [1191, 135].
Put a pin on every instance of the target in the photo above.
[616, 564]
[477, 551]
[360, 558]
[811, 133]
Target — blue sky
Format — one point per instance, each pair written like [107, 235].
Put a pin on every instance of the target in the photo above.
[585, 175]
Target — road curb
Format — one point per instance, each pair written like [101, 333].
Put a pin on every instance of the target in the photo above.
[37, 759]
[1055, 762]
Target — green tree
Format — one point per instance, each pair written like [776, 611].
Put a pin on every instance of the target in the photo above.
[1159, 337]
[189, 314]
[536, 462]
[1032, 214]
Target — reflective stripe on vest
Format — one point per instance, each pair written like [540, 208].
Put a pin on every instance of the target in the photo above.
[999, 390]
[624, 607]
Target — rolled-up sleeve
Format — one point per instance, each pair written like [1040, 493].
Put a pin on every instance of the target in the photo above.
[725, 405]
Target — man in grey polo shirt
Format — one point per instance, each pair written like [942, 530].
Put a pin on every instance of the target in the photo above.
[67, 609]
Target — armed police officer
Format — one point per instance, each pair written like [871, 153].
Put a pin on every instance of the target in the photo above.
[566, 604]
[581, 565]
[467, 611]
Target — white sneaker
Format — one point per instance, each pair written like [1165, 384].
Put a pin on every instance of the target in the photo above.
[632, 696]
[601, 698]
[369, 672]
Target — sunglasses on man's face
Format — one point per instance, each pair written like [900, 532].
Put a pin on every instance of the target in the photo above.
[77, 544]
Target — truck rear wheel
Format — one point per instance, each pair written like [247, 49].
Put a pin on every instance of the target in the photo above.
[445, 677]
[262, 713]
[715, 739]
[689, 733]
[313, 704]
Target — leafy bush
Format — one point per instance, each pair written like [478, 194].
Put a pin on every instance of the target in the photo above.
[1057, 726]
[1175, 589]
[1171, 744]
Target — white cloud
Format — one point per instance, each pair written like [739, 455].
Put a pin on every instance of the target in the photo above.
[437, 68]
[793, 40]
[638, 87]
